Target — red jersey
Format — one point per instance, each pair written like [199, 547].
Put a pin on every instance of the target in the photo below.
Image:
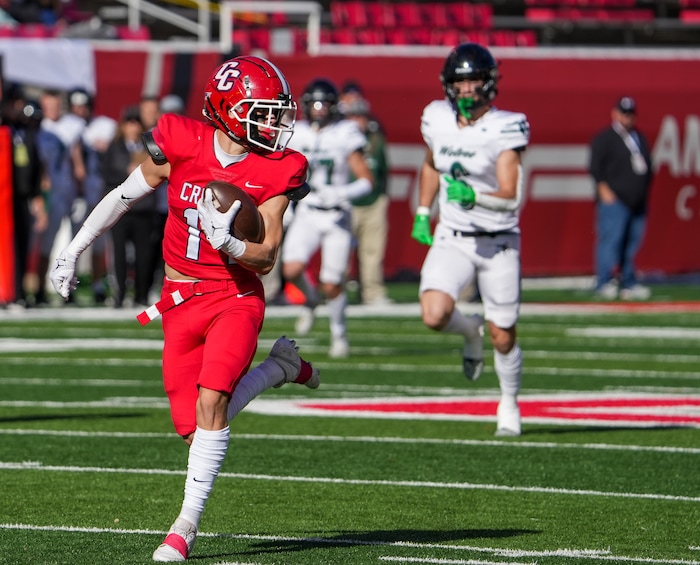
[188, 145]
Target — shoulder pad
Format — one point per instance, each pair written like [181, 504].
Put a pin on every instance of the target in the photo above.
[298, 193]
[153, 150]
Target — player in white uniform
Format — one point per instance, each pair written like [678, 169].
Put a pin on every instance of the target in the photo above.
[333, 147]
[473, 167]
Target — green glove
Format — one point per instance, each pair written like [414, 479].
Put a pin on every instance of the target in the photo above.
[459, 192]
[421, 229]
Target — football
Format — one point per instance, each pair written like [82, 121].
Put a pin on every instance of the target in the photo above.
[248, 223]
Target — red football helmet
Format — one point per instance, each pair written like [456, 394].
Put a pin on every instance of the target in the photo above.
[249, 99]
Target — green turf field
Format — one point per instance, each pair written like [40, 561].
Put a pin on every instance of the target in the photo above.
[606, 471]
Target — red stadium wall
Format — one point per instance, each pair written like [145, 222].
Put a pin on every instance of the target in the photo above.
[567, 96]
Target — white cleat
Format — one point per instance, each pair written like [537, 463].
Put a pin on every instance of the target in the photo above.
[340, 348]
[473, 352]
[636, 292]
[508, 418]
[178, 543]
[285, 353]
[305, 321]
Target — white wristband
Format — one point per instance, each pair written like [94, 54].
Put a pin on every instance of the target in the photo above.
[422, 211]
[234, 247]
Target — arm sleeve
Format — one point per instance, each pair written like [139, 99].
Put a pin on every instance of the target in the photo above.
[107, 212]
[355, 189]
[502, 204]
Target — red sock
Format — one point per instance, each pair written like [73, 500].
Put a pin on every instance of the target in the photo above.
[305, 372]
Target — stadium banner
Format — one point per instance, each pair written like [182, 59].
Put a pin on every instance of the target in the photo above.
[62, 64]
[567, 95]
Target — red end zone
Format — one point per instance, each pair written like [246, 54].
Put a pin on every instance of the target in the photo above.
[599, 409]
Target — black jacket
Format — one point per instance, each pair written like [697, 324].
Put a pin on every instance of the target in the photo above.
[611, 162]
[26, 164]
[115, 170]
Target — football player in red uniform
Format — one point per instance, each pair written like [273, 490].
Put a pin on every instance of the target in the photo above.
[212, 301]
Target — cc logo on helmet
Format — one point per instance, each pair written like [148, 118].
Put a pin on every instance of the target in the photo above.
[227, 75]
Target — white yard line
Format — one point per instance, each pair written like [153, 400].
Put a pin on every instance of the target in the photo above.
[38, 466]
[500, 552]
[411, 310]
[371, 439]
[636, 333]
[433, 560]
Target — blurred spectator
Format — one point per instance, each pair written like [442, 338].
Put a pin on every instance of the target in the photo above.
[171, 104]
[50, 11]
[97, 133]
[23, 117]
[136, 227]
[622, 170]
[34, 11]
[149, 110]
[60, 152]
[370, 220]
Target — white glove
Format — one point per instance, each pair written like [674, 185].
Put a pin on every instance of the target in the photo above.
[63, 274]
[217, 225]
[332, 196]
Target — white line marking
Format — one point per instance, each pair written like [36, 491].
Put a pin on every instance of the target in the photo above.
[448, 368]
[409, 310]
[504, 552]
[452, 561]
[372, 439]
[38, 466]
[549, 371]
[605, 356]
[121, 402]
[37, 381]
[644, 333]
[8, 345]
[79, 433]
[110, 361]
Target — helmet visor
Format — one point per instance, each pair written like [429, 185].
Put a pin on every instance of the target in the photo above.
[269, 124]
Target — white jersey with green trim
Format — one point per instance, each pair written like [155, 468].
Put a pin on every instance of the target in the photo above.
[327, 149]
[469, 154]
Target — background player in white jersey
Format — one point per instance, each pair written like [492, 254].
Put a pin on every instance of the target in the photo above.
[472, 166]
[333, 147]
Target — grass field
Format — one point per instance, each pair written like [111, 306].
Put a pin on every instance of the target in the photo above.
[392, 460]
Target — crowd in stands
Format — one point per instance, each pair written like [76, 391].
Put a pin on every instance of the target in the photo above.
[37, 19]
[65, 158]
[386, 22]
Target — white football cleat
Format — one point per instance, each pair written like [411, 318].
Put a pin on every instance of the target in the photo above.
[178, 543]
[340, 348]
[285, 353]
[508, 418]
[635, 292]
[305, 321]
[473, 352]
